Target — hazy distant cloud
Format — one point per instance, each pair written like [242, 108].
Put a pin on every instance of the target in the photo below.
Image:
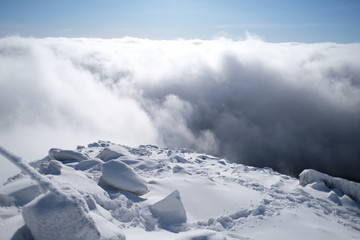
[288, 106]
[265, 26]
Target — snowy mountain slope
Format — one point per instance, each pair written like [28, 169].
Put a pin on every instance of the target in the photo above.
[155, 193]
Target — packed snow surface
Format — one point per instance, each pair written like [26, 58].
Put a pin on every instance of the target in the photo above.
[110, 191]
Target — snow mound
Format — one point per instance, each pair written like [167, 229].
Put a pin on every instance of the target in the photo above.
[66, 155]
[349, 188]
[120, 176]
[113, 152]
[170, 210]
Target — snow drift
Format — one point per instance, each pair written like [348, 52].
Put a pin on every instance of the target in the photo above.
[183, 195]
[349, 188]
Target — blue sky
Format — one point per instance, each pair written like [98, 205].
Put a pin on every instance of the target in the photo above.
[274, 21]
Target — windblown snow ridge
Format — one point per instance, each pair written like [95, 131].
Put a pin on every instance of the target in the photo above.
[111, 191]
[352, 189]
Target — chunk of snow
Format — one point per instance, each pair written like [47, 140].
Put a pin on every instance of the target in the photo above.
[147, 165]
[66, 155]
[53, 167]
[77, 180]
[320, 186]
[170, 210]
[6, 200]
[349, 188]
[179, 159]
[54, 217]
[87, 164]
[120, 176]
[95, 144]
[179, 169]
[22, 233]
[112, 152]
[57, 214]
[59, 217]
[334, 198]
[346, 200]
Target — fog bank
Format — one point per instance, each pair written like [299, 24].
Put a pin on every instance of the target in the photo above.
[288, 106]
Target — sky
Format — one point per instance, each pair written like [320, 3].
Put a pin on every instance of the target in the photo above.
[274, 21]
[264, 83]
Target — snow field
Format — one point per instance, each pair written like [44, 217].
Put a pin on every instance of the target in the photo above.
[156, 193]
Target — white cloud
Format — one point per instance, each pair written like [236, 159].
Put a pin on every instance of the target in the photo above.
[48, 100]
[285, 105]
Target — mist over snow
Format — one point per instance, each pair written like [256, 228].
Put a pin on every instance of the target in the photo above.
[288, 106]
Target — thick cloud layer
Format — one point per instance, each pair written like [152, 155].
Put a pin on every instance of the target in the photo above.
[288, 106]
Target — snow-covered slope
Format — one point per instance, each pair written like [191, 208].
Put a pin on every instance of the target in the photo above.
[110, 191]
